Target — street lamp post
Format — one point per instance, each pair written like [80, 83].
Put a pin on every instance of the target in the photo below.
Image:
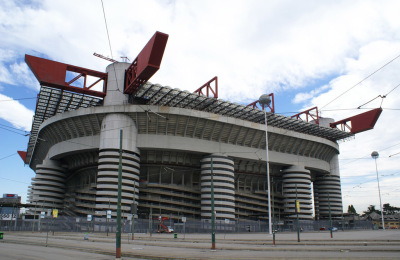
[265, 100]
[375, 155]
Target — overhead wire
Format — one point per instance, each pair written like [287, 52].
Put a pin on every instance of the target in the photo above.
[8, 156]
[109, 44]
[14, 128]
[364, 79]
[4, 128]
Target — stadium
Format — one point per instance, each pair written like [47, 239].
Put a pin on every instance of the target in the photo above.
[176, 144]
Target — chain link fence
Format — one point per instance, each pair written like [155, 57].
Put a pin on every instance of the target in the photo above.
[81, 224]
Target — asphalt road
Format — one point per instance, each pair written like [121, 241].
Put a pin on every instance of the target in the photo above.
[318, 245]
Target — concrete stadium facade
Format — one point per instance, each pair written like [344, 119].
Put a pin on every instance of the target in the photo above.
[169, 148]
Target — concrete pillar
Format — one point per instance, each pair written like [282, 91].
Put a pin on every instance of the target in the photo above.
[107, 176]
[327, 192]
[48, 186]
[224, 187]
[115, 84]
[297, 175]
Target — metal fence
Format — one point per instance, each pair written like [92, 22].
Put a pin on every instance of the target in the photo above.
[81, 224]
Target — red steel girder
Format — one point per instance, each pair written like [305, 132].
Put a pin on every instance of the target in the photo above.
[271, 106]
[52, 74]
[146, 63]
[359, 123]
[22, 154]
[209, 88]
[308, 114]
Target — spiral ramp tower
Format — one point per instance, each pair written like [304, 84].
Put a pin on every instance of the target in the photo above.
[217, 170]
[297, 186]
[48, 186]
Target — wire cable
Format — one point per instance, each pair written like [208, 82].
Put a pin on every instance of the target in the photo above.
[109, 44]
[108, 35]
[362, 81]
[12, 131]
[8, 156]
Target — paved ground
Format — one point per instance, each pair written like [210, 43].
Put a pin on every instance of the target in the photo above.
[377, 244]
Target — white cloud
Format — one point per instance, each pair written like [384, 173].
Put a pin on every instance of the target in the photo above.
[252, 46]
[15, 113]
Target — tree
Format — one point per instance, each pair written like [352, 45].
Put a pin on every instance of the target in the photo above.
[371, 208]
[389, 210]
[351, 209]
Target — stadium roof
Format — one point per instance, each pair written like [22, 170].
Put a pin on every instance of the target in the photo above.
[155, 94]
[53, 101]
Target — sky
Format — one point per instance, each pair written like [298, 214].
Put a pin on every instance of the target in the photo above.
[336, 55]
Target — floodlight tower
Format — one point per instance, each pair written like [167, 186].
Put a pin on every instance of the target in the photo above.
[265, 100]
[375, 155]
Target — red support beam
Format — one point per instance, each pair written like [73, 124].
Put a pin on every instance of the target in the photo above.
[309, 115]
[271, 106]
[22, 154]
[209, 88]
[359, 123]
[146, 63]
[52, 74]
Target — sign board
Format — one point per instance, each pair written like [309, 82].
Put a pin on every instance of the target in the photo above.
[42, 214]
[297, 206]
[78, 220]
[108, 214]
[55, 213]
[8, 213]
[49, 212]
[226, 221]
[129, 217]
[89, 217]
[184, 219]
[7, 216]
[10, 196]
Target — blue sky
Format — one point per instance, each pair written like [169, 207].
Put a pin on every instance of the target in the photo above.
[306, 52]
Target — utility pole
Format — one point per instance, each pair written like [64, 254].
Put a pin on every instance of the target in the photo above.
[273, 212]
[330, 216]
[118, 237]
[107, 216]
[134, 210]
[34, 219]
[212, 209]
[297, 208]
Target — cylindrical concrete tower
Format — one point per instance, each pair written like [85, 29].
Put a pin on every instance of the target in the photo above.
[115, 84]
[48, 187]
[107, 176]
[297, 175]
[224, 187]
[327, 192]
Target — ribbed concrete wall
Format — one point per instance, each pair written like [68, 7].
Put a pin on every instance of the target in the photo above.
[224, 187]
[48, 186]
[300, 177]
[107, 176]
[327, 193]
